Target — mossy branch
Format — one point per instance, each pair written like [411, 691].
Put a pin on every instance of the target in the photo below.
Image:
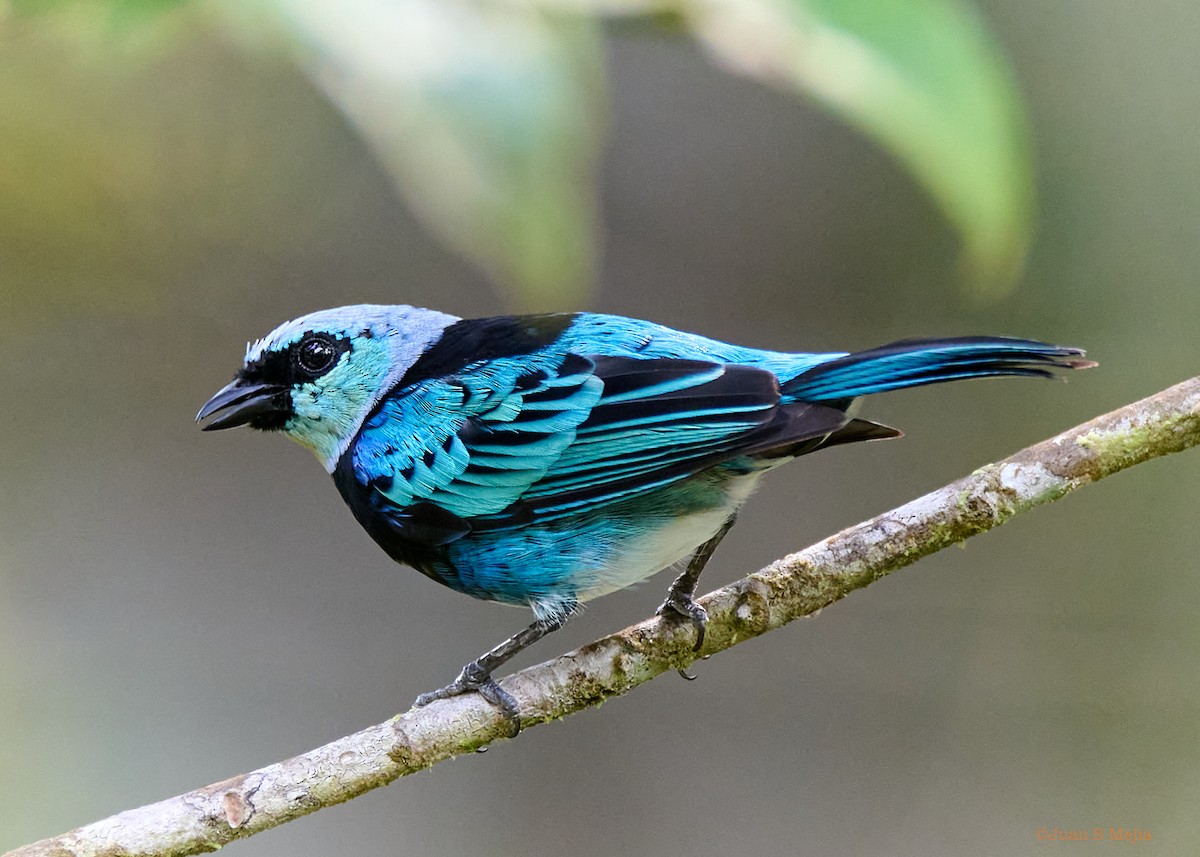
[798, 585]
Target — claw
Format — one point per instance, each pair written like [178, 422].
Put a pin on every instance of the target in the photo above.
[477, 675]
[687, 607]
[502, 699]
[473, 678]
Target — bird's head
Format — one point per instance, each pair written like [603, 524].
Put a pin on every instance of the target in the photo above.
[316, 378]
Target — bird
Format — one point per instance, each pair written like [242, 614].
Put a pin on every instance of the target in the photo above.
[546, 460]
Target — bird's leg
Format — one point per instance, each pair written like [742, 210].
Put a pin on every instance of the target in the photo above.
[477, 675]
[681, 597]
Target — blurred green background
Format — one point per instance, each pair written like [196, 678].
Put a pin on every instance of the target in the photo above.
[178, 607]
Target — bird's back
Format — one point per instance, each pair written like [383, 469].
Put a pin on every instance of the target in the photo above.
[614, 335]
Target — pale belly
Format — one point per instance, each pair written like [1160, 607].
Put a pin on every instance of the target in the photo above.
[664, 546]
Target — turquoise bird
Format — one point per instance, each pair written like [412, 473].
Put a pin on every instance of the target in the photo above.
[546, 460]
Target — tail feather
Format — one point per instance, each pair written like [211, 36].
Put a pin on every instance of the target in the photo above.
[915, 362]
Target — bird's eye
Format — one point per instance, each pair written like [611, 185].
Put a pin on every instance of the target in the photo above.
[316, 353]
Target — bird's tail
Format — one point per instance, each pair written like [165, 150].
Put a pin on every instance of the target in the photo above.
[914, 362]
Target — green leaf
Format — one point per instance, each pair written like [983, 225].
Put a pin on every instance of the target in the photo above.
[925, 79]
[488, 116]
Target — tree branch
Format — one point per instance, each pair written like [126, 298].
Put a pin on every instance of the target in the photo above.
[798, 585]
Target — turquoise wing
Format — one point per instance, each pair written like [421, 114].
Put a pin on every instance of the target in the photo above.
[500, 445]
[473, 443]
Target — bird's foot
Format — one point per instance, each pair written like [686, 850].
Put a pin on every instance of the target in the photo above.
[476, 678]
[686, 606]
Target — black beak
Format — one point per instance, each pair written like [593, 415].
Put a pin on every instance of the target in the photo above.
[239, 403]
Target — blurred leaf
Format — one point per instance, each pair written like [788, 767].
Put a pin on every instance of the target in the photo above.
[115, 36]
[489, 117]
[121, 14]
[921, 76]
